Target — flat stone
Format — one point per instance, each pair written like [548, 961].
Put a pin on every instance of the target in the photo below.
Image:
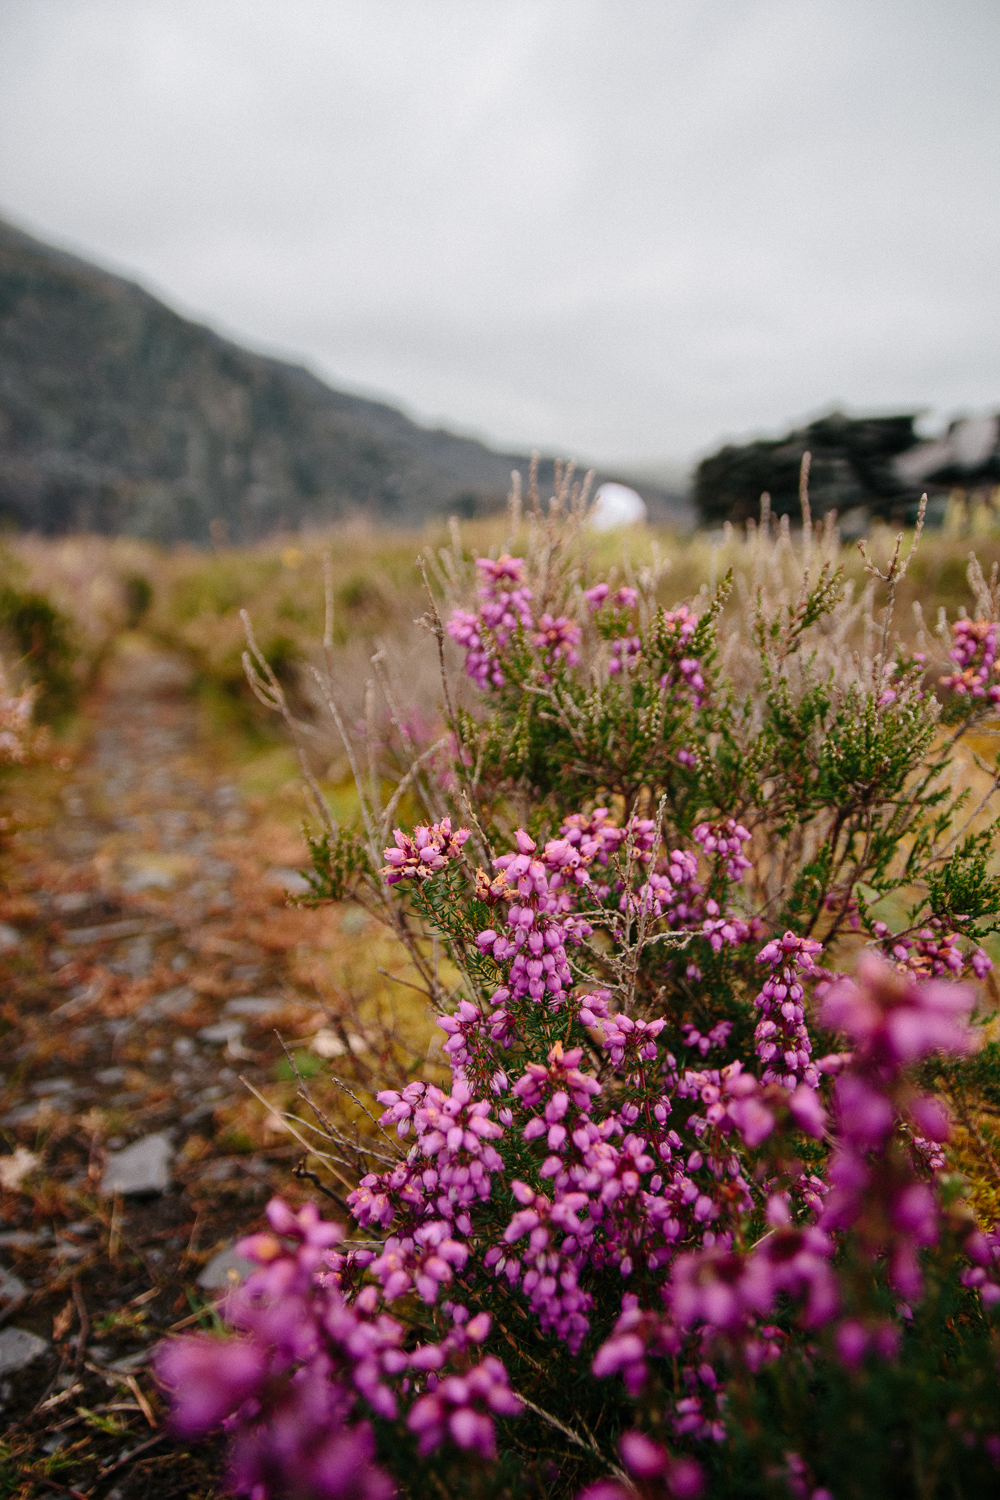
[221, 1032]
[156, 872]
[168, 1003]
[195, 1116]
[22, 1239]
[53, 1086]
[137, 959]
[326, 1043]
[113, 931]
[130, 1363]
[12, 1291]
[10, 938]
[293, 882]
[68, 903]
[143, 1167]
[18, 1348]
[124, 1099]
[226, 1269]
[254, 1005]
[22, 1116]
[66, 1250]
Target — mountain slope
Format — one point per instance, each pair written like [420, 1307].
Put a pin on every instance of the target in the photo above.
[119, 416]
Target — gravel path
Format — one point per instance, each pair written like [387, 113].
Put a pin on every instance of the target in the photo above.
[147, 954]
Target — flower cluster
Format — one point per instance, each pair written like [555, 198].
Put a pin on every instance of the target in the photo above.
[974, 652]
[449, 1166]
[932, 951]
[462, 1405]
[539, 921]
[624, 598]
[730, 1292]
[717, 1036]
[423, 855]
[681, 623]
[782, 1037]
[634, 1167]
[505, 608]
[892, 1020]
[558, 639]
[724, 841]
[294, 1384]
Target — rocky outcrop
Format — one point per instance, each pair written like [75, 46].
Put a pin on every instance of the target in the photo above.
[853, 464]
[867, 466]
[966, 456]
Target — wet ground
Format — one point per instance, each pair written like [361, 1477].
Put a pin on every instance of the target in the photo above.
[147, 955]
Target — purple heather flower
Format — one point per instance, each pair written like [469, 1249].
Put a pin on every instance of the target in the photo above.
[892, 1018]
[558, 638]
[424, 854]
[208, 1378]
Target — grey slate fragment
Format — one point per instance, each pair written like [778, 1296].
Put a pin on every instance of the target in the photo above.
[114, 931]
[10, 938]
[222, 1032]
[143, 1167]
[291, 881]
[23, 1239]
[18, 1348]
[49, 1086]
[225, 1269]
[12, 1291]
[254, 1005]
[167, 1003]
[131, 1362]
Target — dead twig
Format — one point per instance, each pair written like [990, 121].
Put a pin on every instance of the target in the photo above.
[302, 1172]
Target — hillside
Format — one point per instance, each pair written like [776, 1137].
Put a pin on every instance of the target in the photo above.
[119, 416]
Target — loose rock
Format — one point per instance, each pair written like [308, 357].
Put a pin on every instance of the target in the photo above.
[293, 882]
[12, 1291]
[10, 938]
[222, 1032]
[225, 1269]
[143, 1167]
[18, 1348]
[253, 1005]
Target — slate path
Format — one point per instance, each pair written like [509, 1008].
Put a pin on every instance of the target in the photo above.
[148, 953]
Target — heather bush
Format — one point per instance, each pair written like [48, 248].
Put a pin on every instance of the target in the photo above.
[699, 896]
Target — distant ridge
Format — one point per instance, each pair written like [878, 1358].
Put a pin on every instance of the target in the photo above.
[119, 416]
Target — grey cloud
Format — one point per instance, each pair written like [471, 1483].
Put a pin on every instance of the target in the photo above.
[621, 230]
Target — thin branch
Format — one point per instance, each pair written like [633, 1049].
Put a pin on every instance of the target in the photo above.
[301, 1171]
[270, 692]
[574, 1437]
[285, 1121]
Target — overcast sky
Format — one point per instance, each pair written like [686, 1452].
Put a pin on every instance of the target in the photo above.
[618, 229]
